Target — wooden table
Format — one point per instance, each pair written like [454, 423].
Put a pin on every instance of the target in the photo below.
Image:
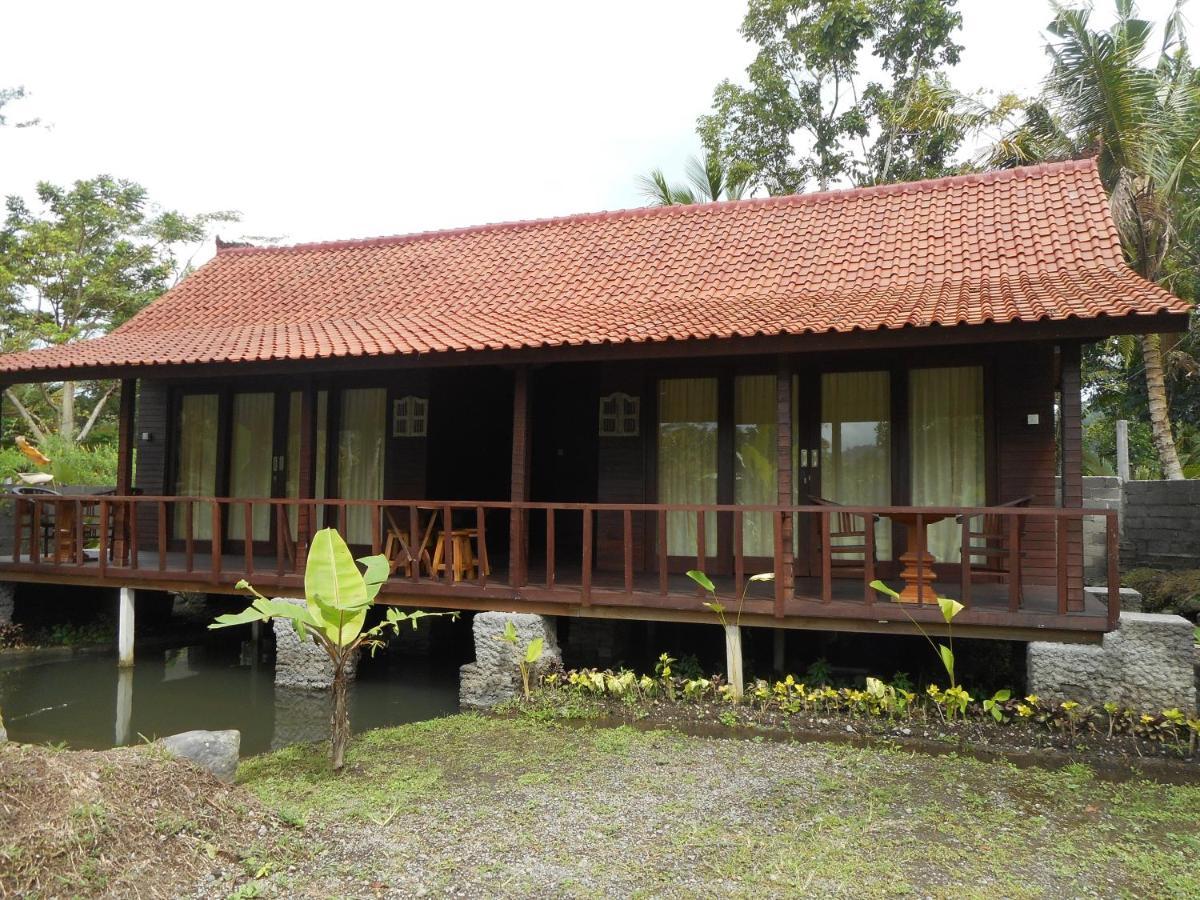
[918, 574]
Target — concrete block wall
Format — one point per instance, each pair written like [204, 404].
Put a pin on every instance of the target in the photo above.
[1161, 525]
[1099, 492]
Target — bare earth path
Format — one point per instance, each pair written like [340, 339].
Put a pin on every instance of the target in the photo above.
[481, 807]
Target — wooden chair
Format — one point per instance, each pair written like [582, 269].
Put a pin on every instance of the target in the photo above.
[398, 550]
[990, 544]
[847, 539]
[46, 515]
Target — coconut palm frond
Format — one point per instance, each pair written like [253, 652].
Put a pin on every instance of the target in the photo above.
[655, 188]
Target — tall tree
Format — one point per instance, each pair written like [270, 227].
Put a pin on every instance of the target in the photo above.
[83, 262]
[708, 181]
[7, 96]
[809, 118]
[1137, 107]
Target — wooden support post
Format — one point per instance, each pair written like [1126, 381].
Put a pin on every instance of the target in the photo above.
[518, 539]
[126, 438]
[733, 660]
[1071, 455]
[785, 577]
[125, 627]
[306, 471]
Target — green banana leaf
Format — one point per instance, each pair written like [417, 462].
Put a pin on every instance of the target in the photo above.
[336, 593]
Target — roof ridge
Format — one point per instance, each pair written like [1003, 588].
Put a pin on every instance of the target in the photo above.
[990, 176]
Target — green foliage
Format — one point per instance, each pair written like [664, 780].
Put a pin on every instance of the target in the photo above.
[70, 463]
[807, 114]
[949, 609]
[528, 657]
[708, 181]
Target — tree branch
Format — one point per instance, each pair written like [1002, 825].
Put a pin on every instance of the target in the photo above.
[95, 413]
[38, 435]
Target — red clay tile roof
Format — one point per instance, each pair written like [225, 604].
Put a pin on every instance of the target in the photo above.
[1022, 245]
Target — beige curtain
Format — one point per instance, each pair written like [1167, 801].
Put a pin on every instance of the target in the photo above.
[947, 428]
[360, 456]
[321, 455]
[292, 460]
[856, 445]
[755, 464]
[197, 461]
[250, 456]
[687, 458]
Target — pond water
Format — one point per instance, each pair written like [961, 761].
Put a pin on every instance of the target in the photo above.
[85, 701]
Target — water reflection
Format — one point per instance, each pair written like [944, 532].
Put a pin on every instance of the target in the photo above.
[88, 702]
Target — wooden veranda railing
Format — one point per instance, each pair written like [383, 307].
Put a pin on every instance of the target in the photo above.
[188, 539]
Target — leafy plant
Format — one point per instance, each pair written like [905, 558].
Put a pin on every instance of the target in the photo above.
[716, 605]
[995, 705]
[337, 597]
[950, 608]
[526, 658]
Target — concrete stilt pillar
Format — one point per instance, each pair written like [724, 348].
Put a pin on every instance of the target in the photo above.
[121, 729]
[494, 677]
[780, 661]
[125, 628]
[733, 660]
[8, 595]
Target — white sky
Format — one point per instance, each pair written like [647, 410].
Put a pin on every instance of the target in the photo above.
[324, 121]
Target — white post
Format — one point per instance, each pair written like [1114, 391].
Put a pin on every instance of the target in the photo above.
[1123, 449]
[121, 732]
[733, 660]
[125, 628]
[780, 650]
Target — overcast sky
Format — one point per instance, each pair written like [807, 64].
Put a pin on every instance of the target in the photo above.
[354, 119]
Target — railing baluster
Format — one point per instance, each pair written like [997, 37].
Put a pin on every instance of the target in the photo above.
[663, 574]
[921, 542]
[550, 548]
[282, 533]
[739, 556]
[162, 534]
[869, 558]
[1060, 549]
[189, 541]
[1112, 542]
[19, 527]
[217, 541]
[778, 565]
[627, 540]
[131, 525]
[964, 563]
[103, 538]
[826, 559]
[701, 546]
[35, 537]
[414, 541]
[248, 536]
[1014, 563]
[79, 554]
[341, 520]
[376, 529]
[586, 579]
[481, 562]
[448, 546]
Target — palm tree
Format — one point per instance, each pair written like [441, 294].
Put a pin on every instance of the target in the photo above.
[1109, 95]
[709, 182]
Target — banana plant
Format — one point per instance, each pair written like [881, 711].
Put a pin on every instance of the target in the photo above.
[337, 597]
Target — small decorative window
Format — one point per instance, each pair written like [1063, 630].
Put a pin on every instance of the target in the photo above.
[410, 417]
[619, 415]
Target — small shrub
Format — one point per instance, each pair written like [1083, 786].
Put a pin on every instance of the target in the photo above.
[1166, 591]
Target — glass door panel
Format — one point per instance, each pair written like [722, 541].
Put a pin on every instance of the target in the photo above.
[251, 462]
[947, 428]
[755, 470]
[687, 459]
[856, 447]
[196, 461]
[360, 456]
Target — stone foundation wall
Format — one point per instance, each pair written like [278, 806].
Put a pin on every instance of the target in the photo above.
[302, 664]
[495, 675]
[1145, 664]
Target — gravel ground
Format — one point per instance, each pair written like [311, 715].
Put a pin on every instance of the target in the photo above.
[471, 806]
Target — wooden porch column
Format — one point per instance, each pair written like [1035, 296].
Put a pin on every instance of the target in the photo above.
[518, 539]
[306, 473]
[1071, 416]
[126, 439]
[785, 578]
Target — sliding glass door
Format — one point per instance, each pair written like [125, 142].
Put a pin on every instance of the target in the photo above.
[196, 461]
[946, 424]
[360, 453]
[252, 462]
[687, 459]
[755, 462]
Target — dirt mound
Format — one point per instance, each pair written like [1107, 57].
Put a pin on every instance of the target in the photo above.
[131, 822]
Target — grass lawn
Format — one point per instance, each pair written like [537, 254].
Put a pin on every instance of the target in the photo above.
[511, 807]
